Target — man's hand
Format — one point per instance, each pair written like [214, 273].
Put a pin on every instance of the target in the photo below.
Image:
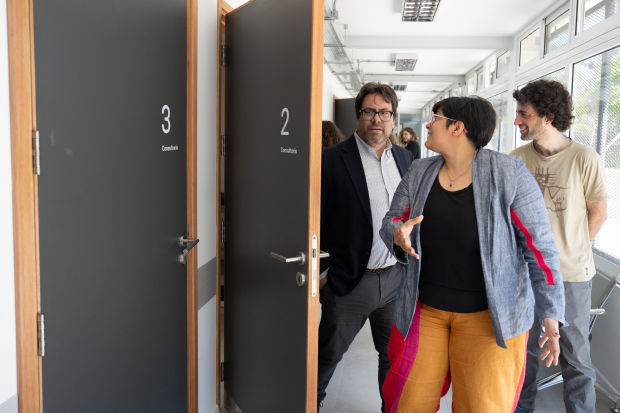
[323, 282]
[402, 236]
[552, 338]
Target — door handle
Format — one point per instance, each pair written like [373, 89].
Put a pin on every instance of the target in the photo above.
[300, 259]
[189, 244]
[324, 254]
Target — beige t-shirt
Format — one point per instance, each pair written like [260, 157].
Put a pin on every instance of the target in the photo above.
[568, 179]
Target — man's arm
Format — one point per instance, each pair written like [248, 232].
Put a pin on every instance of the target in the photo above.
[597, 215]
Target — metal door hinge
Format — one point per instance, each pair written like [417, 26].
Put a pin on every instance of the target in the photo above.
[222, 371]
[223, 55]
[223, 145]
[36, 153]
[223, 232]
[41, 331]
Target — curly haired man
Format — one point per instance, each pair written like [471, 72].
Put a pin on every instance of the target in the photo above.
[572, 179]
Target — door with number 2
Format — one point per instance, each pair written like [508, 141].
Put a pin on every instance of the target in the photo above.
[273, 144]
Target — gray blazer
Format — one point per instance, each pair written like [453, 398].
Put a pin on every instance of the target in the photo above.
[520, 262]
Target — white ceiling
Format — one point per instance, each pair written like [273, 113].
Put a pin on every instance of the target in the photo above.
[453, 18]
[475, 27]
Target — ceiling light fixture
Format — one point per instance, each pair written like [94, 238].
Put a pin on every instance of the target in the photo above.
[419, 10]
[406, 62]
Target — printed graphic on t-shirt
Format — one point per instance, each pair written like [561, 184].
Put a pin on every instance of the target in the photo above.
[555, 196]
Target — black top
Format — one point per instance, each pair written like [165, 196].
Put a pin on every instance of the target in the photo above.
[451, 277]
[346, 220]
[414, 148]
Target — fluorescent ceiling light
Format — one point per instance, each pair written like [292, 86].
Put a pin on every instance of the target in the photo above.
[406, 62]
[419, 10]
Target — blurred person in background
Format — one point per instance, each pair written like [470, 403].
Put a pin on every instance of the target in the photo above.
[331, 134]
[409, 141]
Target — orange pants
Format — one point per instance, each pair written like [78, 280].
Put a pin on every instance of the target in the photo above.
[443, 348]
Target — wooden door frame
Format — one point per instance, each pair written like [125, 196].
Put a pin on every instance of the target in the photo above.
[22, 99]
[223, 9]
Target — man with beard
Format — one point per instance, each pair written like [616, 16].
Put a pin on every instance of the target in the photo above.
[359, 280]
[572, 179]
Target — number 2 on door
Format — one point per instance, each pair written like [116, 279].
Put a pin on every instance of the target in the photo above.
[166, 129]
[284, 132]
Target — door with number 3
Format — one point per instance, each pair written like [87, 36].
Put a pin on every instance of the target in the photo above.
[274, 67]
[111, 81]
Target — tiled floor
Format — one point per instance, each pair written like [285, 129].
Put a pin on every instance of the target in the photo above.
[354, 389]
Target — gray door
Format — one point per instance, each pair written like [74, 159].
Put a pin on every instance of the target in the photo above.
[344, 116]
[111, 112]
[269, 318]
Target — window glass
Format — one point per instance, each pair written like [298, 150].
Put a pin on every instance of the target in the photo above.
[471, 85]
[480, 80]
[500, 141]
[492, 66]
[557, 32]
[596, 11]
[503, 64]
[596, 98]
[529, 47]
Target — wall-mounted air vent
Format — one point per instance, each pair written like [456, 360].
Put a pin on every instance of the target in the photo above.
[419, 10]
[400, 88]
[406, 62]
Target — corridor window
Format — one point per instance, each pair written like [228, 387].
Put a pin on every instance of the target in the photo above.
[596, 94]
[557, 76]
[500, 141]
[593, 12]
[492, 66]
[556, 32]
[503, 64]
[479, 80]
[529, 47]
[471, 85]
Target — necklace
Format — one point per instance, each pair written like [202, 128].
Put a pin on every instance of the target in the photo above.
[452, 180]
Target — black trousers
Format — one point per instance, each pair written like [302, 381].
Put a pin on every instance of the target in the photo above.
[343, 317]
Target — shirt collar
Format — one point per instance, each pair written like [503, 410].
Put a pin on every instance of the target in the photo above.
[365, 147]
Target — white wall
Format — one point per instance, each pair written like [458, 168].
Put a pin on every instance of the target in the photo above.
[207, 141]
[331, 87]
[8, 361]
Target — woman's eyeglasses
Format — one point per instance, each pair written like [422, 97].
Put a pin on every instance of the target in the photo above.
[434, 115]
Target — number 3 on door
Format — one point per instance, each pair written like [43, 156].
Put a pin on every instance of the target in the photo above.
[285, 110]
[166, 129]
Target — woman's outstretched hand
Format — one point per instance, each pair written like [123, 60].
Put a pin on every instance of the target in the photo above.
[402, 236]
[552, 338]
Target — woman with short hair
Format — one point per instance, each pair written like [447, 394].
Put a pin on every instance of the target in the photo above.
[475, 222]
[409, 139]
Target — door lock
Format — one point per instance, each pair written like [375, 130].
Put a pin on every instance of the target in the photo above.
[301, 278]
[188, 243]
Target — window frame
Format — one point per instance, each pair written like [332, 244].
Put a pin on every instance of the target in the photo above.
[605, 25]
[498, 56]
[566, 7]
[541, 46]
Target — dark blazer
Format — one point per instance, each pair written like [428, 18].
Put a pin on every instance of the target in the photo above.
[346, 221]
[414, 148]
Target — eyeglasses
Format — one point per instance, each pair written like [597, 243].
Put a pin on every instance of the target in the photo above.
[384, 115]
[434, 115]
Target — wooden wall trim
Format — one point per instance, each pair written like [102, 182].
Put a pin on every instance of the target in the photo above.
[25, 213]
[192, 205]
[314, 203]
